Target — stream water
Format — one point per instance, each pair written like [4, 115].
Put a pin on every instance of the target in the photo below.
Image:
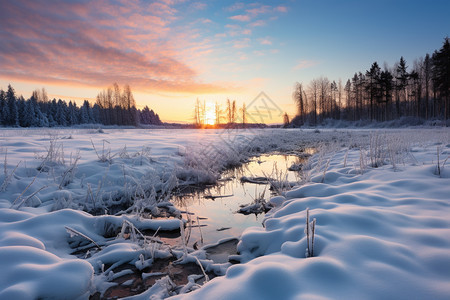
[216, 207]
[213, 220]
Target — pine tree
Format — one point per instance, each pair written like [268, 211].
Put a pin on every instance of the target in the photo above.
[373, 80]
[96, 114]
[29, 115]
[85, 113]
[71, 114]
[61, 112]
[40, 119]
[386, 87]
[2, 105]
[20, 103]
[441, 74]
[401, 83]
[11, 114]
[427, 78]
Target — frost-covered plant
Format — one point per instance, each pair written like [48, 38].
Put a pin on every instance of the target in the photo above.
[69, 174]
[27, 187]
[345, 158]
[144, 200]
[259, 205]
[397, 148]
[74, 232]
[440, 164]
[8, 177]
[124, 153]
[203, 270]
[325, 170]
[5, 168]
[200, 229]
[25, 200]
[54, 155]
[183, 240]
[362, 160]
[105, 155]
[144, 153]
[170, 182]
[278, 180]
[377, 150]
[310, 232]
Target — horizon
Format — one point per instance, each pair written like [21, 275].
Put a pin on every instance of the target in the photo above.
[173, 52]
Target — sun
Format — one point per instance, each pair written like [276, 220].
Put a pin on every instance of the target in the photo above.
[210, 114]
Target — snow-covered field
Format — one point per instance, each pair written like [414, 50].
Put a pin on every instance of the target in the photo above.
[381, 208]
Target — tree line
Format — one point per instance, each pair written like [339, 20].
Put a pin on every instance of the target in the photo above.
[421, 91]
[113, 107]
[203, 115]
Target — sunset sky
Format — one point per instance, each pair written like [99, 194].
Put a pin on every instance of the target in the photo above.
[172, 52]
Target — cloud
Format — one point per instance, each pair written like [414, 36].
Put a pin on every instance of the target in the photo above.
[235, 30]
[265, 41]
[281, 8]
[263, 9]
[254, 10]
[259, 53]
[198, 6]
[304, 64]
[258, 23]
[236, 6]
[242, 43]
[97, 43]
[242, 18]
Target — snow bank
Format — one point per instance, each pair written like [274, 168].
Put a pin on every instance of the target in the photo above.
[35, 251]
[32, 273]
[381, 233]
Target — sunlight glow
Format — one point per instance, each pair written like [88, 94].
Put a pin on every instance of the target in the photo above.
[210, 114]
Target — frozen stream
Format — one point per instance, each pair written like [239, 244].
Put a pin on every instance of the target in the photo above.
[216, 207]
[221, 225]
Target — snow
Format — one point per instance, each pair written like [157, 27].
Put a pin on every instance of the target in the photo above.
[29, 273]
[381, 233]
[380, 203]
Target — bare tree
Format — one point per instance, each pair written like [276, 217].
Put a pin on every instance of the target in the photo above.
[324, 95]
[426, 71]
[298, 96]
[229, 111]
[340, 89]
[233, 112]
[244, 114]
[285, 119]
[218, 112]
[314, 92]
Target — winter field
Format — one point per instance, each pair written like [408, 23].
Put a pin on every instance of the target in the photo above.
[76, 204]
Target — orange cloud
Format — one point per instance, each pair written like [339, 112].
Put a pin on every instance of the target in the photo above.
[95, 44]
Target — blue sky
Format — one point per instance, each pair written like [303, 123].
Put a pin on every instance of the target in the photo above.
[172, 52]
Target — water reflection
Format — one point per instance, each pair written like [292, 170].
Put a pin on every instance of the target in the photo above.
[216, 206]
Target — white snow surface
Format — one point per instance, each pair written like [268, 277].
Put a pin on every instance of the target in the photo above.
[381, 233]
